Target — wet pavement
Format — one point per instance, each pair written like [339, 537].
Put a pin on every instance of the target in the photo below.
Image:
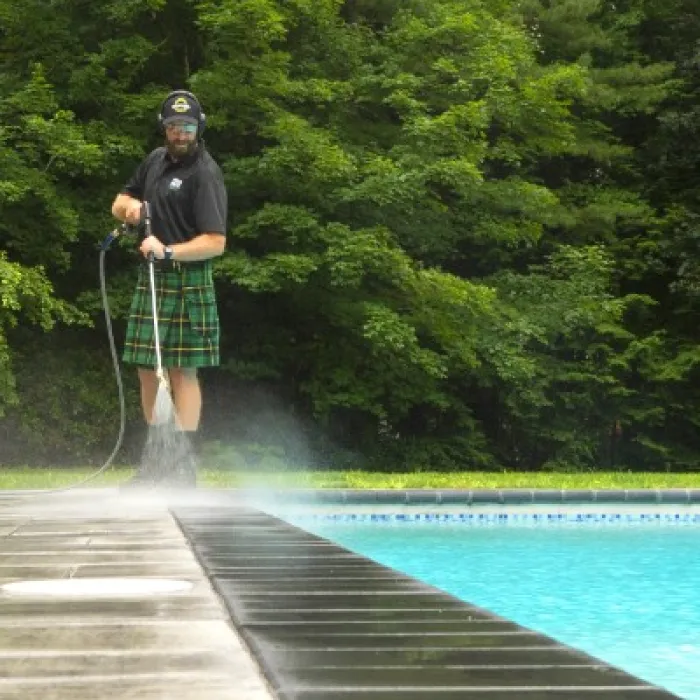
[104, 644]
[268, 611]
[327, 624]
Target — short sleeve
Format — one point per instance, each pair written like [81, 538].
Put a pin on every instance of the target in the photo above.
[211, 202]
[136, 186]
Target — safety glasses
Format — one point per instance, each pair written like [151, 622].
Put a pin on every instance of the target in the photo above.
[184, 127]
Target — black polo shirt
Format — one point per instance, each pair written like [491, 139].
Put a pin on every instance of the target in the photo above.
[187, 196]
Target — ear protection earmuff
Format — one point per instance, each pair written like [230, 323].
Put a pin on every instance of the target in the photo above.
[184, 93]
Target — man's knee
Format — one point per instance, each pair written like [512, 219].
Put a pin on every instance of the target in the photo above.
[180, 376]
[147, 377]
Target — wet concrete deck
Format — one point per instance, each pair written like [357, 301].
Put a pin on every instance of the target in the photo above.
[178, 645]
[321, 622]
[327, 624]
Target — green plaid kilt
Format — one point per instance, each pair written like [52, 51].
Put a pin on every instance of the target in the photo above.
[188, 321]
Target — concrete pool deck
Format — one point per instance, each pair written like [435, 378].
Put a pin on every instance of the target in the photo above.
[55, 647]
[272, 612]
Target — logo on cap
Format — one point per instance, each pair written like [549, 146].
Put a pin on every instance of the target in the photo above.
[181, 105]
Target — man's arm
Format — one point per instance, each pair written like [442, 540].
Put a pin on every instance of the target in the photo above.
[127, 206]
[201, 247]
[211, 203]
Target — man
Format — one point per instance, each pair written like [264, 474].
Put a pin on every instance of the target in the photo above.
[184, 189]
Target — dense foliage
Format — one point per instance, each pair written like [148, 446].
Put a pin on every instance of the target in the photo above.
[463, 234]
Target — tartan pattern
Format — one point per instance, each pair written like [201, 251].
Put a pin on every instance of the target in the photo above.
[188, 320]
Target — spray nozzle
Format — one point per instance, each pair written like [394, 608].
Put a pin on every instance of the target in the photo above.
[123, 230]
[130, 229]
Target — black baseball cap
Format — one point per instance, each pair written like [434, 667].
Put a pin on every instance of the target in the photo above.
[181, 108]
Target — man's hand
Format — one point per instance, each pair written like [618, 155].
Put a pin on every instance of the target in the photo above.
[133, 211]
[152, 245]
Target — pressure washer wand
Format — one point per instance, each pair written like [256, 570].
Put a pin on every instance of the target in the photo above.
[151, 272]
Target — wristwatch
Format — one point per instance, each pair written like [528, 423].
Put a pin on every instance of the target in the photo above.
[167, 253]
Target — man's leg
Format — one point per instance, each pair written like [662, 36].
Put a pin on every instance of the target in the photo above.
[150, 469]
[149, 390]
[187, 397]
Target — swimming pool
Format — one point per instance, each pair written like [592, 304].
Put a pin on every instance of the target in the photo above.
[624, 588]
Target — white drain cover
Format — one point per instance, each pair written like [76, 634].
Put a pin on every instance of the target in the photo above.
[96, 587]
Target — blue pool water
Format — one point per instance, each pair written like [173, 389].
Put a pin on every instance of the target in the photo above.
[627, 594]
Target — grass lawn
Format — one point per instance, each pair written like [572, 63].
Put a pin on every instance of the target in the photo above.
[32, 478]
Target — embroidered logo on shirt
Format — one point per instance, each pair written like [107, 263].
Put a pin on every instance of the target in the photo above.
[175, 183]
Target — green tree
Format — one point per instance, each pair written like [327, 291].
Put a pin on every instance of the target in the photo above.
[458, 236]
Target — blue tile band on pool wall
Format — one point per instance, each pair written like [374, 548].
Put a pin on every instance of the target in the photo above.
[487, 506]
[510, 518]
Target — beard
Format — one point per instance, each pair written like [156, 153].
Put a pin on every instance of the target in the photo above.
[181, 149]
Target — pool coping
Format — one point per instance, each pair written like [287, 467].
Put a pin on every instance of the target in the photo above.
[510, 496]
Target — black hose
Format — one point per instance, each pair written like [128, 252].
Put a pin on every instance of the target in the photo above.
[120, 385]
